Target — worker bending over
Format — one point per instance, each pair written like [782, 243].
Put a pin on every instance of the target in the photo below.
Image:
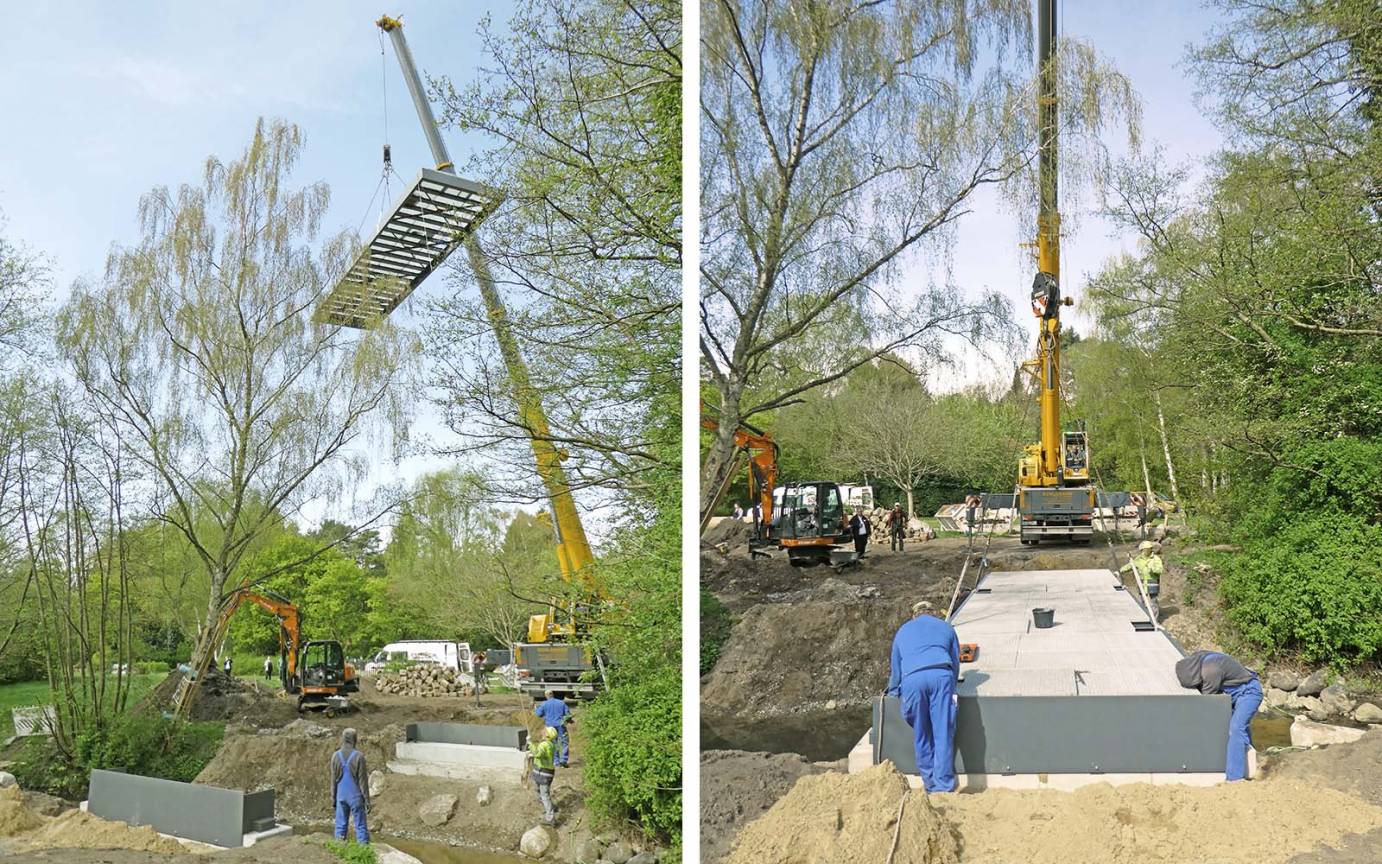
[545, 771]
[1148, 567]
[556, 715]
[1212, 672]
[925, 667]
[350, 787]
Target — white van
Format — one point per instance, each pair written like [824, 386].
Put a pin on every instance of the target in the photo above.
[454, 655]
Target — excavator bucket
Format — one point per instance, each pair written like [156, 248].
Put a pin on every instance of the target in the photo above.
[428, 221]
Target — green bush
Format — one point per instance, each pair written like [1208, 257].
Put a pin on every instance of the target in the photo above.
[1313, 587]
[716, 622]
[352, 853]
[633, 758]
[146, 744]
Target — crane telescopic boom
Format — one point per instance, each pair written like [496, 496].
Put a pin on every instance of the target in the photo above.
[574, 555]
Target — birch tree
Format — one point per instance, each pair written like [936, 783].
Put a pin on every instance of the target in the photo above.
[199, 348]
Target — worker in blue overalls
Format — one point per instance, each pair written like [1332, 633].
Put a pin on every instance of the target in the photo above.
[1213, 672]
[925, 668]
[350, 787]
[555, 714]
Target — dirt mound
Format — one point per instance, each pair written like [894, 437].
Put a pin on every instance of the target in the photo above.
[293, 762]
[1251, 823]
[1353, 768]
[738, 787]
[225, 697]
[23, 828]
[847, 818]
[734, 533]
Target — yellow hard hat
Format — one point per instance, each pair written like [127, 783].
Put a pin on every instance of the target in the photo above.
[550, 733]
[1145, 546]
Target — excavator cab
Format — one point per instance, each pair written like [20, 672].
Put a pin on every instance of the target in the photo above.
[810, 521]
[322, 676]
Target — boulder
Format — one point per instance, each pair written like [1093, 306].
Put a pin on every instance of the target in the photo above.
[376, 783]
[484, 796]
[1336, 699]
[437, 810]
[588, 851]
[1367, 713]
[644, 858]
[1275, 698]
[1307, 733]
[1283, 680]
[618, 852]
[1318, 713]
[1304, 703]
[386, 854]
[1312, 685]
[7, 780]
[537, 841]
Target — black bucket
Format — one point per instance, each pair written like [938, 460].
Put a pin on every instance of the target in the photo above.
[1043, 618]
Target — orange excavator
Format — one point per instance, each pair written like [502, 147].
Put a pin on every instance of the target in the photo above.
[807, 519]
[315, 672]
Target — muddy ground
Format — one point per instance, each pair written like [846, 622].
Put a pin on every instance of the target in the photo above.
[269, 745]
[809, 648]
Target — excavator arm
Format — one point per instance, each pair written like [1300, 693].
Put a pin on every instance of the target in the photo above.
[289, 623]
[761, 452]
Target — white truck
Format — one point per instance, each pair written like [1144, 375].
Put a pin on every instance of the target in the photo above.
[454, 655]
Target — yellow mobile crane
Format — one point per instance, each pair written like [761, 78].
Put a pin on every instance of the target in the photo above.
[1054, 495]
[439, 212]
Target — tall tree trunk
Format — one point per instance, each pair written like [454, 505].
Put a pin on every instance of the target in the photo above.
[719, 461]
[1166, 447]
[911, 503]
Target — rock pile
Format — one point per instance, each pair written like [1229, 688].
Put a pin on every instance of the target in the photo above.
[916, 529]
[1317, 699]
[426, 681]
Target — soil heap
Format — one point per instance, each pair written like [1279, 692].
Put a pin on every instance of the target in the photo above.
[848, 819]
[738, 787]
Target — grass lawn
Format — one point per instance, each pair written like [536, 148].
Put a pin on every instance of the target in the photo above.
[37, 693]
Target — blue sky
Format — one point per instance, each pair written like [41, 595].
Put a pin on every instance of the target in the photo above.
[115, 99]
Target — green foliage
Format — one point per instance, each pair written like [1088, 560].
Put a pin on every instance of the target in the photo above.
[1313, 587]
[147, 744]
[353, 853]
[716, 622]
[633, 758]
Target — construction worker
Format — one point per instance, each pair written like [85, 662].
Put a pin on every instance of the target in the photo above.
[545, 771]
[556, 715]
[925, 668]
[1139, 503]
[1214, 672]
[738, 512]
[268, 666]
[227, 665]
[859, 529]
[896, 523]
[350, 787]
[972, 504]
[1148, 567]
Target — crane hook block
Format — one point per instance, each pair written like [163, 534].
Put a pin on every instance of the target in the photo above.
[388, 156]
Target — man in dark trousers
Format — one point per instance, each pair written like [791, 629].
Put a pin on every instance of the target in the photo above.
[1215, 672]
[350, 788]
[925, 668]
[555, 715]
[860, 529]
[972, 504]
[896, 523]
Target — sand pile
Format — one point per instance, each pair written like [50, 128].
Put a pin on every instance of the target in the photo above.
[23, 828]
[1239, 823]
[847, 819]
